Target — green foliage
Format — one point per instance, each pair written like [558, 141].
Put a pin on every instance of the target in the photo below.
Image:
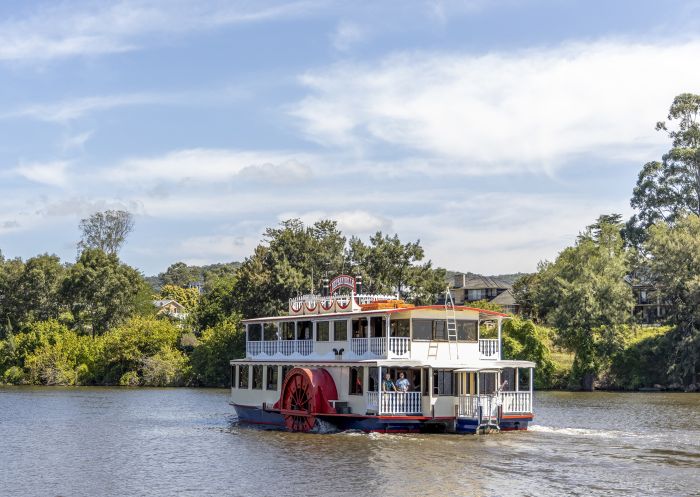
[187, 297]
[125, 348]
[13, 376]
[218, 302]
[524, 340]
[101, 291]
[668, 190]
[674, 260]
[106, 231]
[167, 368]
[217, 346]
[643, 360]
[584, 293]
[29, 290]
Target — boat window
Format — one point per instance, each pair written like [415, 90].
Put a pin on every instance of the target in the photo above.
[378, 326]
[304, 330]
[467, 331]
[507, 380]
[373, 379]
[356, 380]
[442, 382]
[524, 379]
[243, 377]
[487, 383]
[323, 331]
[359, 328]
[287, 330]
[271, 378]
[254, 332]
[439, 330]
[286, 369]
[400, 328]
[233, 376]
[269, 331]
[257, 382]
[340, 331]
[422, 329]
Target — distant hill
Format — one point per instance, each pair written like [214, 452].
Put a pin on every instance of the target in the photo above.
[508, 278]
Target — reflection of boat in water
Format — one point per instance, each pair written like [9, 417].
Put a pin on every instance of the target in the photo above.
[323, 364]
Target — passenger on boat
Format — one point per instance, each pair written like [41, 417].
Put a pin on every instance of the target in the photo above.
[402, 384]
[388, 384]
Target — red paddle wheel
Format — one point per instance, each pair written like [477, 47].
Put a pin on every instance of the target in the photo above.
[305, 394]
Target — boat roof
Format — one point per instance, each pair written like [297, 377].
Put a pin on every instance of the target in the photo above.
[483, 313]
[481, 365]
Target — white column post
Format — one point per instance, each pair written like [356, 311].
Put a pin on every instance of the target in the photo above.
[500, 351]
[379, 390]
[531, 385]
[517, 379]
[388, 331]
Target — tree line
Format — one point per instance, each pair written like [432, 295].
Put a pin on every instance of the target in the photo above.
[93, 321]
[586, 294]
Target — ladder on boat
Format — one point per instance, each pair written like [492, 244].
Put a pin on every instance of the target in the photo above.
[451, 324]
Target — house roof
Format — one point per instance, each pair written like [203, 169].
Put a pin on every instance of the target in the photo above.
[504, 298]
[479, 282]
[164, 302]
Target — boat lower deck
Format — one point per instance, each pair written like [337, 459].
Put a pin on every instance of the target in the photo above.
[275, 419]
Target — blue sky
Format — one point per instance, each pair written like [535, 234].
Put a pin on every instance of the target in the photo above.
[493, 131]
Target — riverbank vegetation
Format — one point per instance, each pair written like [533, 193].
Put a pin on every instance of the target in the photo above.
[93, 321]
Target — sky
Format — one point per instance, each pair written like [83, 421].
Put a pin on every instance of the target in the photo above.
[491, 131]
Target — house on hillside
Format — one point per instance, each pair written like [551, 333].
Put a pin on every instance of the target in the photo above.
[649, 307]
[468, 288]
[171, 308]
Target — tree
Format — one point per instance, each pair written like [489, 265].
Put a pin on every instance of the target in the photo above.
[187, 297]
[292, 260]
[389, 266]
[37, 291]
[218, 345]
[583, 293]
[106, 230]
[101, 292]
[674, 260]
[669, 189]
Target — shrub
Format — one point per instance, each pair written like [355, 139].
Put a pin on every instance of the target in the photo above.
[13, 376]
[129, 379]
[168, 368]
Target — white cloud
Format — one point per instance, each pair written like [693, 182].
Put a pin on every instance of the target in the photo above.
[347, 34]
[89, 28]
[47, 173]
[501, 112]
[352, 222]
[213, 165]
[72, 109]
[75, 141]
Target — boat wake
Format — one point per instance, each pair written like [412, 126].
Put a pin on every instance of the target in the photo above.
[582, 432]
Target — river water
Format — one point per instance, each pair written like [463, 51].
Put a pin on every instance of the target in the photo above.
[185, 442]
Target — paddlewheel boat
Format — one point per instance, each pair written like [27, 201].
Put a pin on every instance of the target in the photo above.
[348, 360]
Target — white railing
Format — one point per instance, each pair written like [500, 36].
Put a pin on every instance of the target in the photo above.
[489, 349]
[359, 346]
[372, 400]
[400, 346]
[516, 402]
[269, 347]
[304, 347]
[377, 346]
[510, 402]
[394, 403]
[253, 348]
[286, 347]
